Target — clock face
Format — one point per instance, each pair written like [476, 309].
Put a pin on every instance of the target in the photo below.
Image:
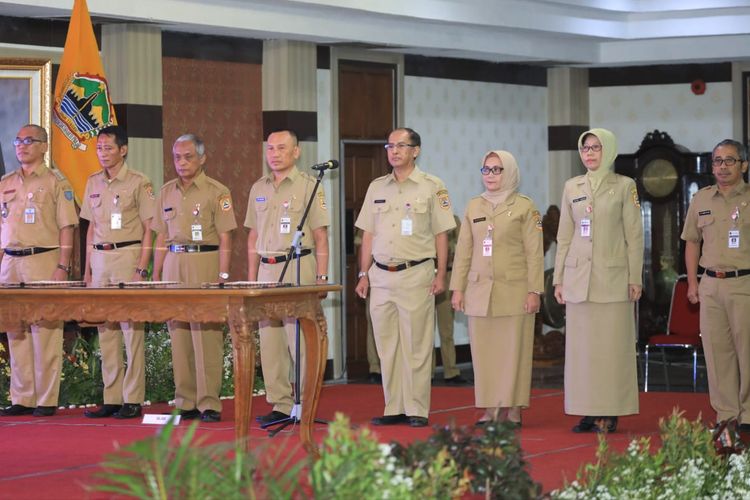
[659, 178]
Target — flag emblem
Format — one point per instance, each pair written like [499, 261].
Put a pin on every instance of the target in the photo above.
[83, 108]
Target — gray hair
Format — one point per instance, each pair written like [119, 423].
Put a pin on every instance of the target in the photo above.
[738, 146]
[200, 147]
[42, 131]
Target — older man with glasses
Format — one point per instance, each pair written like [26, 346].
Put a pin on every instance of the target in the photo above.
[717, 237]
[405, 219]
[37, 218]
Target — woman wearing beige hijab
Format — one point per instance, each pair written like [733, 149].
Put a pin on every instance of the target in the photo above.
[498, 275]
[598, 276]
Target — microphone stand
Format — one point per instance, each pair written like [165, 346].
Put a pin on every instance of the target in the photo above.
[296, 249]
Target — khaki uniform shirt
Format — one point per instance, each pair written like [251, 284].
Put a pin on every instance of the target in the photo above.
[267, 205]
[709, 219]
[599, 267]
[44, 196]
[130, 193]
[206, 202]
[423, 198]
[497, 285]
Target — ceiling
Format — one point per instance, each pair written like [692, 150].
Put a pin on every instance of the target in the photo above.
[547, 32]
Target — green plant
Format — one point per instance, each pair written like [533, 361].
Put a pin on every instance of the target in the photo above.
[685, 466]
[81, 380]
[4, 375]
[489, 458]
[353, 464]
[158, 353]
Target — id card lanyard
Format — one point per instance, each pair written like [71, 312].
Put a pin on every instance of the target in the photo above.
[196, 230]
[585, 223]
[29, 213]
[406, 223]
[285, 223]
[487, 242]
[115, 219]
[733, 240]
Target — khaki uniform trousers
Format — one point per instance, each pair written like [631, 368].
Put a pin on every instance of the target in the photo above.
[197, 348]
[121, 385]
[725, 328]
[35, 356]
[277, 340]
[403, 319]
[373, 361]
[445, 318]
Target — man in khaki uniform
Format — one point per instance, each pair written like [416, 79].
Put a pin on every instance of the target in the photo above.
[719, 217]
[37, 218]
[119, 204]
[194, 220]
[274, 209]
[405, 218]
[446, 317]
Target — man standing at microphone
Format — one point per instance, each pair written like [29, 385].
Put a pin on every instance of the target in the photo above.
[274, 210]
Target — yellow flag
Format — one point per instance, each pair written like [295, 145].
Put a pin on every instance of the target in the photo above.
[82, 105]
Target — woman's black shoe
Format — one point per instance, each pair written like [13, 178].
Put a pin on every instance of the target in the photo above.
[587, 424]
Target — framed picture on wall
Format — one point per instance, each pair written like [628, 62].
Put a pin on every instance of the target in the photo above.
[25, 87]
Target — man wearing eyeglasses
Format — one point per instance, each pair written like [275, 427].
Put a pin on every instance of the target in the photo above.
[405, 218]
[37, 218]
[719, 218]
[119, 204]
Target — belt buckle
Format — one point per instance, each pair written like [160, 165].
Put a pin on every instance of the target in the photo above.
[178, 248]
[392, 269]
[271, 260]
[192, 248]
[108, 246]
[720, 274]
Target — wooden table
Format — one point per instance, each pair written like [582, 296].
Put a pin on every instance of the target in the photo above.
[239, 307]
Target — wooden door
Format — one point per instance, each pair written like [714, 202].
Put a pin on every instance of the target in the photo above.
[367, 113]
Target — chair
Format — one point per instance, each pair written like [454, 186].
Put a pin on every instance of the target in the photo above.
[683, 331]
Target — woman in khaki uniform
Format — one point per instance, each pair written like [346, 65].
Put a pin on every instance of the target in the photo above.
[498, 275]
[598, 275]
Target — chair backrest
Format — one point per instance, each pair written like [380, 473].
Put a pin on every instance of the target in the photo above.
[684, 317]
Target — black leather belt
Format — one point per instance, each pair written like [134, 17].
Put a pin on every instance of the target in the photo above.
[192, 248]
[728, 274]
[282, 258]
[23, 252]
[113, 246]
[400, 267]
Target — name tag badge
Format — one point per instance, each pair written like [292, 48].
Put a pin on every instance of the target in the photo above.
[29, 216]
[585, 228]
[197, 232]
[487, 247]
[406, 227]
[115, 221]
[734, 238]
[286, 225]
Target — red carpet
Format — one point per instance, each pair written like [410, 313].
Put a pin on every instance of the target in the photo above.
[53, 458]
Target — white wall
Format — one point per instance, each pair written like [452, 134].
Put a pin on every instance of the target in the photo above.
[697, 122]
[459, 121]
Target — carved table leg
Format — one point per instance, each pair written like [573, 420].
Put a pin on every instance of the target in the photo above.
[316, 350]
[243, 348]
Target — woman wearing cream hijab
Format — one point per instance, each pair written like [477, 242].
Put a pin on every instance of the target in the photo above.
[498, 275]
[598, 276]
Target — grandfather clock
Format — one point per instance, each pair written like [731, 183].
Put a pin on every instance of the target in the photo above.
[667, 176]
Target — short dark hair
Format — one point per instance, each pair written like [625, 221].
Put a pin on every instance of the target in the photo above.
[741, 149]
[42, 131]
[291, 132]
[119, 134]
[414, 137]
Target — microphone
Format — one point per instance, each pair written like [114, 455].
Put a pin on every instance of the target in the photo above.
[329, 165]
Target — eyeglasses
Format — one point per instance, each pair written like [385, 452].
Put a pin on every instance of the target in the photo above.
[594, 147]
[495, 170]
[399, 146]
[729, 162]
[26, 140]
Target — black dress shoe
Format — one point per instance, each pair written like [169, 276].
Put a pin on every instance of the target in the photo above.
[274, 416]
[44, 411]
[417, 421]
[606, 424]
[16, 410]
[390, 419]
[104, 411]
[375, 378]
[210, 416]
[457, 380]
[587, 424]
[129, 410]
[190, 414]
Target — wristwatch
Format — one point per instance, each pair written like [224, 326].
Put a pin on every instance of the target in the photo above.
[67, 269]
[322, 277]
[224, 276]
[142, 272]
[537, 292]
[361, 275]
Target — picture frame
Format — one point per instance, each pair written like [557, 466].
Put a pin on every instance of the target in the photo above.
[26, 87]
